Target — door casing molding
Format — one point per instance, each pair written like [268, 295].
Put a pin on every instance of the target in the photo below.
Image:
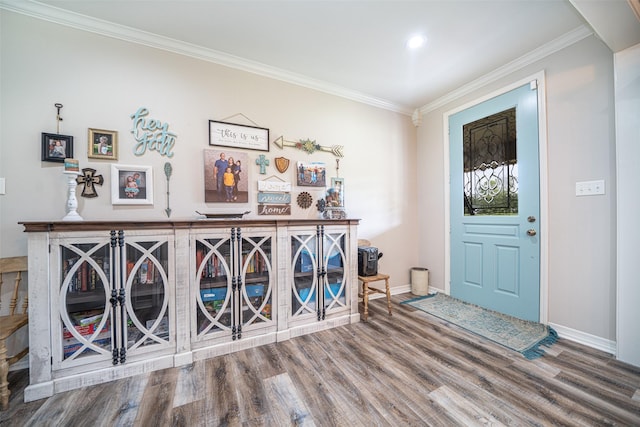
[539, 78]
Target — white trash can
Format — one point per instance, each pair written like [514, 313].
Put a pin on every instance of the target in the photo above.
[419, 281]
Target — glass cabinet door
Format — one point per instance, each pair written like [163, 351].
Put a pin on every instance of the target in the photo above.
[335, 277]
[256, 273]
[235, 283]
[213, 281]
[304, 269]
[147, 290]
[114, 297]
[319, 277]
[84, 307]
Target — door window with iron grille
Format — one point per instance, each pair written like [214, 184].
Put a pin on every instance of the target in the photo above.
[491, 165]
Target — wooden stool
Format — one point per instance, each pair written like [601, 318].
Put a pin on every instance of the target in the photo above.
[366, 290]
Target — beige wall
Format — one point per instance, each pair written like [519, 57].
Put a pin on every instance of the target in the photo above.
[392, 185]
[581, 147]
[102, 81]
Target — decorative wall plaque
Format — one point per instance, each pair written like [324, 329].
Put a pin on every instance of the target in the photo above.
[274, 209]
[274, 186]
[274, 198]
[282, 164]
[151, 134]
[89, 179]
[304, 200]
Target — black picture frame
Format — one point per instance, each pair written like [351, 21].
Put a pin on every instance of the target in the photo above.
[56, 148]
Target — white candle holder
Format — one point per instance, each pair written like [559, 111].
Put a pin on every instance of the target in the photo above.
[72, 202]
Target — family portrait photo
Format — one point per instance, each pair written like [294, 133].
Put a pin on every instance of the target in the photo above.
[311, 174]
[55, 148]
[226, 176]
[103, 144]
[131, 185]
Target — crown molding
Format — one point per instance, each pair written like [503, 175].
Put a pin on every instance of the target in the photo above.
[535, 55]
[67, 18]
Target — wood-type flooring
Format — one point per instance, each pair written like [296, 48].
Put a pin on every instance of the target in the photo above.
[409, 369]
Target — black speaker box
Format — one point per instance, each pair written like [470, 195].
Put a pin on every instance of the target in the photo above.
[368, 261]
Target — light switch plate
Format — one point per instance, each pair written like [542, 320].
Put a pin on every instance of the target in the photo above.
[2, 189]
[590, 188]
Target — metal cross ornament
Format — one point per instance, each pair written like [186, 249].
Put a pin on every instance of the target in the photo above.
[89, 179]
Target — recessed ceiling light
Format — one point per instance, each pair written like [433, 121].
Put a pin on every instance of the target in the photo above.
[415, 42]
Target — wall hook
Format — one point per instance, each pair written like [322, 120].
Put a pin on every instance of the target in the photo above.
[58, 118]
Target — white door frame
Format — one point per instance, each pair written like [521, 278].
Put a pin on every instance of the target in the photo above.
[544, 195]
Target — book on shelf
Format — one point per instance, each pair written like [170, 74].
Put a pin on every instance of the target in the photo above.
[84, 277]
[199, 258]
[254, 290]
[129, 267]
[266, 311]
[93, 278]
[84, 318]
[71, 348]
[334, 261]
[213, 298]
[213, 294]
[87, 324]
[162, 330]
[213, 307]
[84, 330]
[255, 263]
[331, 291]
[211, 268]
[215, 267]
[147, 272]
[102, 337]
[305, 262]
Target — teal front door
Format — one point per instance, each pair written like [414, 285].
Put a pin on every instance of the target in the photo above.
[495, 204]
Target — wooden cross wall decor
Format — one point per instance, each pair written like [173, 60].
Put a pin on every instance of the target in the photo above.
[89, 179]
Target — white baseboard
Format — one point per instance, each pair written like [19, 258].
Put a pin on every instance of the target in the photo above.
[394, 291]
[589, 340]
[400, 289]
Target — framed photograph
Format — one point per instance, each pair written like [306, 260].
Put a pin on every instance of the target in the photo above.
[335, 194]
[103, 144]
[224, 134]
[226, 176]
[131, 185]
[311, 174]
[55, 148]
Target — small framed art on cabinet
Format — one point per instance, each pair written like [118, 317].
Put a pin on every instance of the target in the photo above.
[55, 148]
[103, 144]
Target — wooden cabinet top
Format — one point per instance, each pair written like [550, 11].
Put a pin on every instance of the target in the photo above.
[51, 226]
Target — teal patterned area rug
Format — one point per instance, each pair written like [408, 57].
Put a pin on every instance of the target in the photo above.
[520, 335]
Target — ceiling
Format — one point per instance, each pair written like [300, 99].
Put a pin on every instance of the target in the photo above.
[356, 48]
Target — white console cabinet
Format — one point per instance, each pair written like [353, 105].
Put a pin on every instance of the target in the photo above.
[112, 299]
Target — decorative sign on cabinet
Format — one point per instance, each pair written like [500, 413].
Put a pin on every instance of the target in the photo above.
[113, 299]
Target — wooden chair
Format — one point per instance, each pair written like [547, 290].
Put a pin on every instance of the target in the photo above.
[11, 323]
[368, 290]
